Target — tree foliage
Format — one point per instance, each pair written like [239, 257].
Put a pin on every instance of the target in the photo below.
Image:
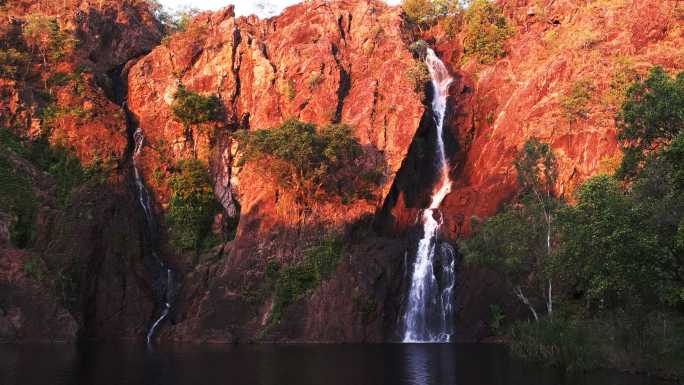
[44, 35]
[517, 241]
[191, 208]
[426, 12]
[191, 108]
[486, 31]
[652, 115]
[308, 160]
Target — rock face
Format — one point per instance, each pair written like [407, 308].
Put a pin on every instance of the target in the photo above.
[28, 311]
[321, 62]
[342, 61]
[558, 45]
[83, 273]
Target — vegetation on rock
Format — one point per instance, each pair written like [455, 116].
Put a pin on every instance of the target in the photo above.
[294, 281]
[615, 256]
[427, 13]
[486, 31]
[651, 116]
[309, 160]
[191, 208]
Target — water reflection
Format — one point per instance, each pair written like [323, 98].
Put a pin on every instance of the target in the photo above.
[396, 364]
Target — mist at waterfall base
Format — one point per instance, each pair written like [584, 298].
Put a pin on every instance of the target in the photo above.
[390, 364]
[429, 311]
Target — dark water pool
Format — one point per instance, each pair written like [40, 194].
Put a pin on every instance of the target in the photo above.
[393, 364]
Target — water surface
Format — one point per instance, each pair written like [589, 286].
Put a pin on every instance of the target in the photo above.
[391, 364]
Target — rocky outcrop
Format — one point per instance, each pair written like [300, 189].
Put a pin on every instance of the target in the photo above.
[342, 61]
[83, 272]
[557, 46]
[321, 62]
[28, 310]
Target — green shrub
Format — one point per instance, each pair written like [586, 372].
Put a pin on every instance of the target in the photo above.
[62, 164]
[11, 62]
[191, 208]
[17, 199]
[486, 31]
[307, 160]
[190, 108]
[575, 103]
[426, 13]
[419, 75]
[289, 89]
[649, 342]
[419, 49]
[294, 281]
[557, 342]
[622, 79]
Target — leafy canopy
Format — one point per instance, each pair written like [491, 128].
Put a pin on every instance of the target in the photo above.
[191, 108]
[192, 206]
[307, 159]
[486, 31]
[652, 115]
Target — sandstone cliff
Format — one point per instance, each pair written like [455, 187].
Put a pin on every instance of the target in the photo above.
[342, 61]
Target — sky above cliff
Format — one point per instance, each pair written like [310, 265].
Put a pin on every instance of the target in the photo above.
[242, 7]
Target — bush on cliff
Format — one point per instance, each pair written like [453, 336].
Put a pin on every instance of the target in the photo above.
[419, 75]
[575, 103]
[486, 31]
[191, 208]
[193, 110]
[293, 281]
[43, 35]
[426, 13]
[308, 160]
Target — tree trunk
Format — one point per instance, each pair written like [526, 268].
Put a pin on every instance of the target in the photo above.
[518, 293]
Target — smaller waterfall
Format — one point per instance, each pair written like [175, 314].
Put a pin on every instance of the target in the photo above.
[428, 316]
[167, 308]
[163, 288]
[143, 193]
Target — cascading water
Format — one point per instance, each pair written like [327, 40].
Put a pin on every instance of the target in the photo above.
[428, 315]
[163, 288]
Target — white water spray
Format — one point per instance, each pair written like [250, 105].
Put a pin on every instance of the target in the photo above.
[165, 312]
[143, 194]
[429, 311]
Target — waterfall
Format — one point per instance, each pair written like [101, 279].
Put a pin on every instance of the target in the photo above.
[167, 308]
[428, 315]
[143, 193]
[163, 288]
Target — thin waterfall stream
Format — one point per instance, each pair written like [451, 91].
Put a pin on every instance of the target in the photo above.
[428, 314]
[162, 274]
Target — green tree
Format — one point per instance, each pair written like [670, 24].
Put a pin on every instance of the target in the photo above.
[426, 13]
[510, 243]
[652, 115]
[44, 35]
[518, 241]
[486, 31]
[192, 206]
[606, 249]
[537, 174]
[306, 159]
[192, 110]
